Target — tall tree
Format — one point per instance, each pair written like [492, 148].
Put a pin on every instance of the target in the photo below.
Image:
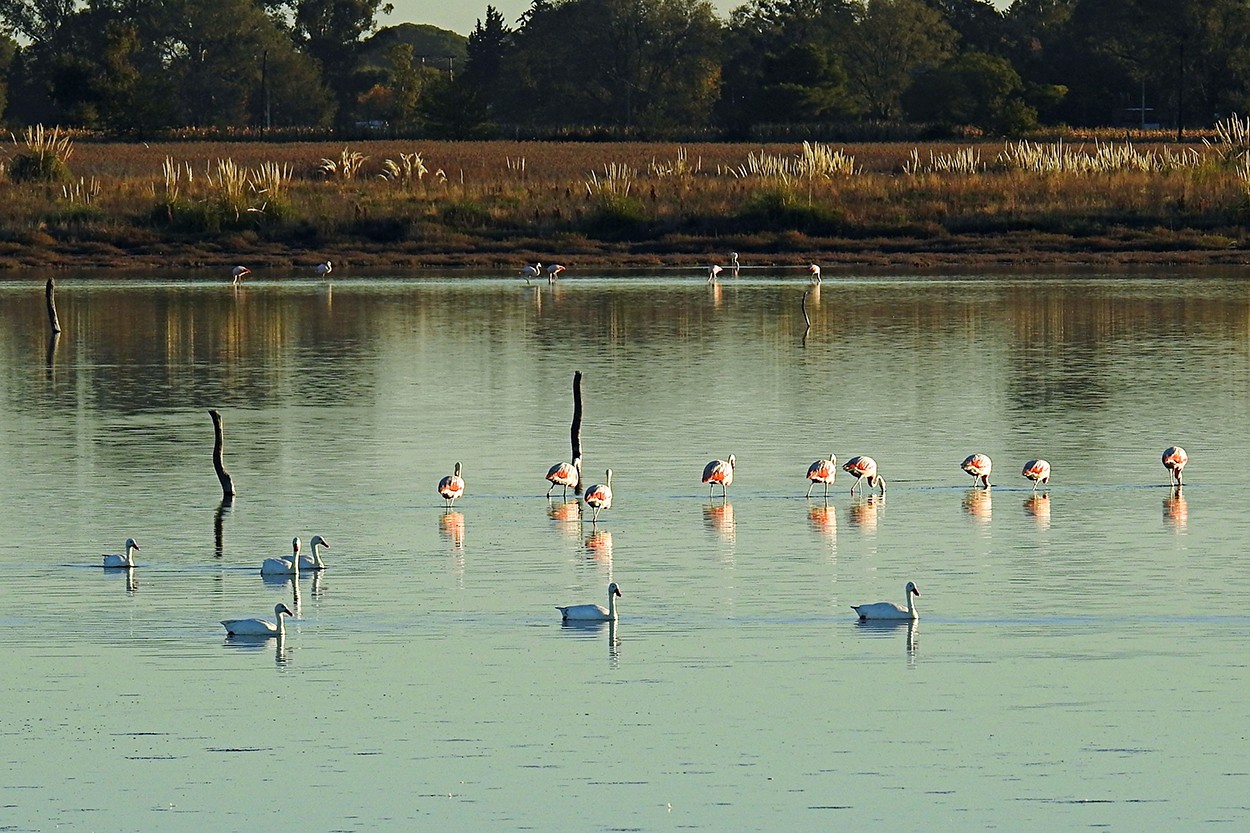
[331, 31]
[891, 41]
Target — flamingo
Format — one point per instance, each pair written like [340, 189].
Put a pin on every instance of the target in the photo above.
[978, 465]
[734, 265]
[259, 627]
[592, 612]
[451, 486]
[323, 269]
[283, 566]
[864, 468]
[531, 271]
[712, 272]
[815, 273]
[314, 562]
[822, 471]
[889, 610]
[1038, 471]
[553, 272]
[719, 471]
[1174, 460]
[126, 560]
[239, 273]
[567, 475]
[599, 497]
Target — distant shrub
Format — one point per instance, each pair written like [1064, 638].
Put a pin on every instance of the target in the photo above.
[44, 157]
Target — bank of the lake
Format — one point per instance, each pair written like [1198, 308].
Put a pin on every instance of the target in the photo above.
[413, 206]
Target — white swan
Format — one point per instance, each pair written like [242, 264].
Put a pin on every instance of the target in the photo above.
[593, 613]
[314, 562]
[126, 560]
[283, 566]
[889, 610]
[259, 627]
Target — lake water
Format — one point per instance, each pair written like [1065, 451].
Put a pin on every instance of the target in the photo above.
[1079, 662]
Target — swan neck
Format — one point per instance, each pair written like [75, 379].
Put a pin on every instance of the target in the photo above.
[611, 605]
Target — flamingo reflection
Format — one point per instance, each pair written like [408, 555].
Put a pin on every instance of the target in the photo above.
[979, 504]
[451, 528]
[1037, 507]
[824, 519]
[719, 519]
[599, 546]
[863, 512]
[1176, 510]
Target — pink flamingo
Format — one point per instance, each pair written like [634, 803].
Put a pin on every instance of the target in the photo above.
[822, 471]
[239, 273]
[599, 496]
[553, 272]
[815, 272]
[323, 269]
[1038, 471]
[864, 468]
[451, 486]
[712, 272]
[1174, 460]
[567, 475]
[719, 471]
[978, 465]
[531, 271]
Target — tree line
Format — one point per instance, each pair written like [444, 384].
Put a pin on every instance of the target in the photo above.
[629, 68]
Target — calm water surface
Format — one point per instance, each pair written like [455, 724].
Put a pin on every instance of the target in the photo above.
[1080, 661]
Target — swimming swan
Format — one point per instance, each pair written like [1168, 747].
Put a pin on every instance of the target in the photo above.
[126, 560]
[889, 610]
[283, 566]
[593, 613]
[259, 627]
[314, 562]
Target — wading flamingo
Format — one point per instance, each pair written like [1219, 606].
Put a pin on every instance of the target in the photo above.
[978, 465]
[567, 475]
[451, 486]
[864, 468]
[1174, 460]
[822, 471]
[553, 272]
[1038, 471]
[599, 496]
[719, 471]
[323, 269]
[239, 273]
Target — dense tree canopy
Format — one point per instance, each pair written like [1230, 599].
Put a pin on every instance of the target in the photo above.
[626, 67]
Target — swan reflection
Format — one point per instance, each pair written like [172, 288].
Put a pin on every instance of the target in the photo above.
[1037, 507]
[590, 629]
[979, 505]
[131, 576]
[451, 528]
[864, 511]
[719, 519]
[887, 628]
[1176, 510]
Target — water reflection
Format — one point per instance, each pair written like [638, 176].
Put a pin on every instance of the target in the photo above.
[219, 525]
[591, 629]
[719, 519]
[451, 528]
[599, 546]
[130, 575]
[863, 512]
[1176, 510]
[979, 505]
[1037, 507]
[907, 629]
[824, 520]
[567, 516]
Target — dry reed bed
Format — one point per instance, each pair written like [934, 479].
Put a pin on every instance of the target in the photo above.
[497, 202]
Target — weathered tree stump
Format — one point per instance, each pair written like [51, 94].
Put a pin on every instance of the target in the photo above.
[227, 485]
[575, 430]
[49, 293]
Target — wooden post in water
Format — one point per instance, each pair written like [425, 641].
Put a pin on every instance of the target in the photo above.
[575, 431]
[806, 320]
[227, 485]
[49, 292]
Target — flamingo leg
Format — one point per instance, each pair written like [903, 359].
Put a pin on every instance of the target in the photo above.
[810, 487]
[549, 488]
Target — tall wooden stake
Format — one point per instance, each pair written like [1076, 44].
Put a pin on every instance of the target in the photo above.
[575, 431]
[49, 292]
[227, 485]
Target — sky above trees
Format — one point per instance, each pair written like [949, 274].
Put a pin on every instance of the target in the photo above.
[461, 15]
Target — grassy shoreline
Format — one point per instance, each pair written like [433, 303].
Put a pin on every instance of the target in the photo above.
[411, 207]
